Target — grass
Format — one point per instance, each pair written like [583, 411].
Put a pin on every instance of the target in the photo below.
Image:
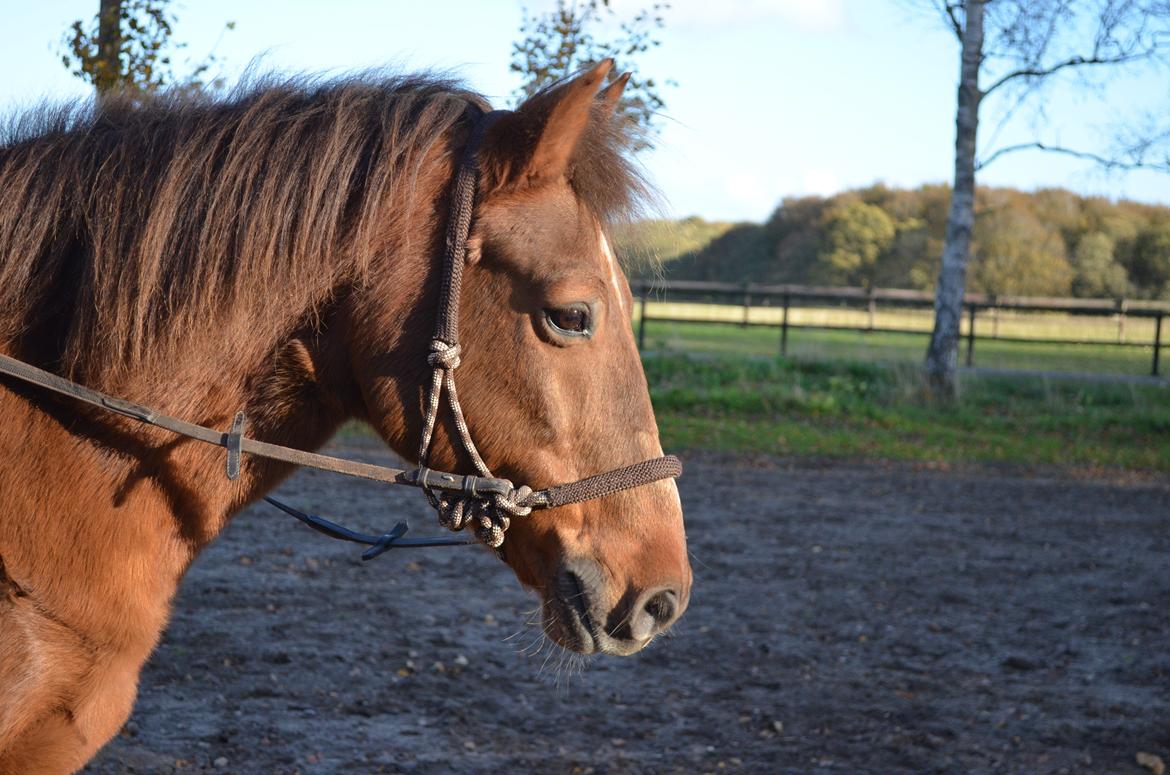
[849, 395]
[908, 349]
[856, 409]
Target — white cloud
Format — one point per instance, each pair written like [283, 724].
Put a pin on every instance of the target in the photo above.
[803, 14]
[821, 181]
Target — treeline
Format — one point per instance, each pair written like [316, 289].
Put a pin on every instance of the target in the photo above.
[1048, 243]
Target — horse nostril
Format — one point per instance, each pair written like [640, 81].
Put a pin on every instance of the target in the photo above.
[657, 611]
[662, 607]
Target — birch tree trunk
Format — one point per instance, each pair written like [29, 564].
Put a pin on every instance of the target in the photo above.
[942, 357]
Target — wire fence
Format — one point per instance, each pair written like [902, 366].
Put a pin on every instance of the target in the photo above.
[1023, 332]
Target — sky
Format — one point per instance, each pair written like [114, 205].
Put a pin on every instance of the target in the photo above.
[774, 98]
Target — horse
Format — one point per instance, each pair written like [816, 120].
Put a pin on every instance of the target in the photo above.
[275, 250]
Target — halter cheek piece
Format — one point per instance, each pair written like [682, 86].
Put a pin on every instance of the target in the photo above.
[484, 503]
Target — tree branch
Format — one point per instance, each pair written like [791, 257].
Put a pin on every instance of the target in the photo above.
[1107, 163]
[1077, 61]
[949, 9]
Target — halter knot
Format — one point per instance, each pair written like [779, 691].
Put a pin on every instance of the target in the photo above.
[516, 503]
[443, 355]
[488, 519]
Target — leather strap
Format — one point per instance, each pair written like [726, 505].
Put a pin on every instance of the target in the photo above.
[474, 487]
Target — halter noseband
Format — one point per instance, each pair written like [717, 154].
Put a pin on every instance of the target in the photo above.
[485, 503]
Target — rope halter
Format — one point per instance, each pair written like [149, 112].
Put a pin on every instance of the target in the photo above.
[482, 502]
[490, 515]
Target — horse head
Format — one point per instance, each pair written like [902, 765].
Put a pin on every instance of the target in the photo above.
[550, 381]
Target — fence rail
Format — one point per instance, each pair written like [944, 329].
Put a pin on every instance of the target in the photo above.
[751, 296]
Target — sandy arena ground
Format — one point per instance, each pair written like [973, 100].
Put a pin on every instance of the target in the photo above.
[845, 618]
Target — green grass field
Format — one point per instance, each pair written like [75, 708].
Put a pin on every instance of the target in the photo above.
[868, 410]
[812, 344]
[857, 410]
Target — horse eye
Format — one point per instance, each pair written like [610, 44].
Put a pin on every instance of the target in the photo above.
[569, 320]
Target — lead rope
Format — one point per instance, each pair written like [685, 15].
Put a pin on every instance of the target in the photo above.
[489, 518]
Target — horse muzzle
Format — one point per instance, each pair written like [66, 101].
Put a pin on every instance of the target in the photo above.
[581, 618]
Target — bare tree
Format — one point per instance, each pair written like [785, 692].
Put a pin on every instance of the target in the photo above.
[1021, 45]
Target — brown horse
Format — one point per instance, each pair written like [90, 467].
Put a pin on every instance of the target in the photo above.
[278, 252]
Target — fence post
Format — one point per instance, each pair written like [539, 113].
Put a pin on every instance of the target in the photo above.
[971, 335]
[1157, 343]
[747, 303]
[871, 308]
[994, 316]
[1121, 306]
[784, 328]
[642, 317]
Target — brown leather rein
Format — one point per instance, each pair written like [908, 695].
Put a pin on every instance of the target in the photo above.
[483, 502]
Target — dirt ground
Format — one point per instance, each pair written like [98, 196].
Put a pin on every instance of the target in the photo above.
[845, 618]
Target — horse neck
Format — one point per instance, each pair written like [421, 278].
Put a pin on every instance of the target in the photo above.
[300, 388]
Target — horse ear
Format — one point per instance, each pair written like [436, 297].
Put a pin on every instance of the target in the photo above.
[611, 95]
[535, 144]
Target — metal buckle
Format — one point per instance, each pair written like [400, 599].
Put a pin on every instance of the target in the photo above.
[233, 442]
[478, 487]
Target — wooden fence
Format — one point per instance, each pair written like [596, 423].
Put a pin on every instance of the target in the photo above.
[785, 297]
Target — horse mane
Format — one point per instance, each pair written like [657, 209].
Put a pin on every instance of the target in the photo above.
[133, 230]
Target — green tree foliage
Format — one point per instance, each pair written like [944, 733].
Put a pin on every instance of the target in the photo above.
[128, 46]
[558, 43]
[1048, 243]
[748, 241]
[855, 234]
[645, 243]
[1016, 254]
[794, 235]
[1149, 266]
[1096, 271]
